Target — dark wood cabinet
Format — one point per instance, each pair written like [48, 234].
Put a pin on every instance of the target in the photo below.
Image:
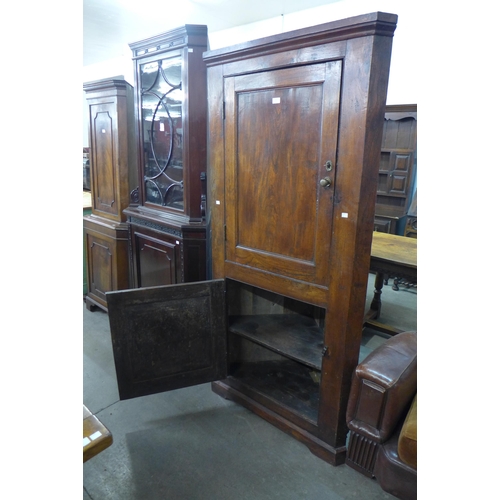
[295, 128]
[113, 169]
[386, 224]
[397, 166]
[166, 255]
[107, 260]
[167, 212]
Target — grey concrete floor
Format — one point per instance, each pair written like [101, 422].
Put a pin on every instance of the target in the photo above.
[190, 444]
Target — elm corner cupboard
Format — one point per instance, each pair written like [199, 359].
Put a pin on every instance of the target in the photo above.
[295, 128]
[167, 212]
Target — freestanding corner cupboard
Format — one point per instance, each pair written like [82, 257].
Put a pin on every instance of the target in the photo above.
[295, 128]
[167, 212]
[113, 170]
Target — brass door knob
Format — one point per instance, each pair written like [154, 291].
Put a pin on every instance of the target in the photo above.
[325, 182]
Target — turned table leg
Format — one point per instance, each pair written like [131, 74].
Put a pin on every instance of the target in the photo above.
[375, 308]
[376, 304]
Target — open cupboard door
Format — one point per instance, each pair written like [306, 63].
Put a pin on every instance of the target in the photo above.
[168, 337]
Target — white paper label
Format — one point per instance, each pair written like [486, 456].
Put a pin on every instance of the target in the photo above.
[276, 100]
[96, 435]
[345, 215]
[217, 202]
[86, 441]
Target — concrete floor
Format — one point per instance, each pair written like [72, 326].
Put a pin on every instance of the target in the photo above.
[191, 444]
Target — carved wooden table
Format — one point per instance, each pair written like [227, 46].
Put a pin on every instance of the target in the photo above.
[392, 256]
[96, 437]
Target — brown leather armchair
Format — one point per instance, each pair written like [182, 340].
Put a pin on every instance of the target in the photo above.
[382, 416]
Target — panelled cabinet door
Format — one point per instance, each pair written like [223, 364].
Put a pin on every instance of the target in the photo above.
[103, 124]
[156, 260]
[401, 163]
[281, 146]
[168, 337]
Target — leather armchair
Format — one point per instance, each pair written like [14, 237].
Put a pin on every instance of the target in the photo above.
[382, 416]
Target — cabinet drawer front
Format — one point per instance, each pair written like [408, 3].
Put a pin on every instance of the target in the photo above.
[281, 129]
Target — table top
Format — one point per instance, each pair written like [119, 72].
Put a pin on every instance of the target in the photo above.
[96, 437]
[396, 249]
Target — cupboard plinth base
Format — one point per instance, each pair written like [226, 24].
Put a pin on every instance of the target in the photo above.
[334, 456]
[92, 304]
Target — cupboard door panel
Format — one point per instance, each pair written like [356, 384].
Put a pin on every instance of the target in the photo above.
[103, 137]
[400, 174]
[281, 129]
[168, 337]
[156, 261]
[100, 256]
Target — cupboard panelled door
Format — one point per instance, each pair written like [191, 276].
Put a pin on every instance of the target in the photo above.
[168, 337]
[281, 142]
[104, 137]
[156, 261]
[100, 266]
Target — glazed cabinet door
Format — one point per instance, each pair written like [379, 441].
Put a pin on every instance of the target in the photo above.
[168, 337]
[281, 130]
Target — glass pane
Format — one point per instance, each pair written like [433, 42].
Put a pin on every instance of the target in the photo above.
[161, 102]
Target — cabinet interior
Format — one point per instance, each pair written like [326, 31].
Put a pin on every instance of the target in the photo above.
[275, 347]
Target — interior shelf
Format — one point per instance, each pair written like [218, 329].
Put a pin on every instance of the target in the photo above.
[287, 383]
[294, 336]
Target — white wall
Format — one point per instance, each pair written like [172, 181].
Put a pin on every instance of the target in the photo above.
[402, 81]
[113, 67]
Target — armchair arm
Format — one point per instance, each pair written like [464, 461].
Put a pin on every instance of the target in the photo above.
[383, 388]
